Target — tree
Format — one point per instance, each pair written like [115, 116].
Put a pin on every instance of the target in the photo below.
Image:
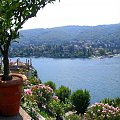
[81, 100]
[63, 93]
[13, 14]
[102, 51]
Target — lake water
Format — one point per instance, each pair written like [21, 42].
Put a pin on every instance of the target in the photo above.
[100, 76]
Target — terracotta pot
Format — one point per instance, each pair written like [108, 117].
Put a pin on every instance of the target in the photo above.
[10, 95]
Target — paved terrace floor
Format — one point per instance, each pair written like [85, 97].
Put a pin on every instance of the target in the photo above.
[21, 116]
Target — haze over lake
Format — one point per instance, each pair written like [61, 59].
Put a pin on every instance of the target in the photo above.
[100, 76]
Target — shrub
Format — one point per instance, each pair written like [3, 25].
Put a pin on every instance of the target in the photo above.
[81, 100]
[68, 105]
[108, 101]
[117, 102]
[73, 117]
[51, 84]
[43, 94]
[101, 111]
[113, 102]
[33, 80]
[56, 108]
[28, 102]
[63, 93]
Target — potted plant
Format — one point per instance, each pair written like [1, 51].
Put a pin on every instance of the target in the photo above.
[13, 14]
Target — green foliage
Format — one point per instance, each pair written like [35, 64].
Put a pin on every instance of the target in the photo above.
[113, 102]
[107, 101]
[14, 13]
[117, 102]
[50, 118]
[56, 108]
[34, 73]
[33, 80]
[81, 100]
[101, 111]
[68, 107]
[44, 114]
[51, 84]
[63, 93]
[73, 117]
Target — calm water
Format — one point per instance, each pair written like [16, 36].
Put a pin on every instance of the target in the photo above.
[100, 76]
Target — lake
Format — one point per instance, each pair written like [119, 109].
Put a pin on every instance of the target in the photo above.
[100, 76]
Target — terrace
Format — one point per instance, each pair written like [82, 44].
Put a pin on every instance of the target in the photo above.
[21, 116]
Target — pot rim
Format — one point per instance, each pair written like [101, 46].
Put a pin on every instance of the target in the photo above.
[19, 79]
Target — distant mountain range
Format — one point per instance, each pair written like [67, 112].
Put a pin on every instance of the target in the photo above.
[71, 33]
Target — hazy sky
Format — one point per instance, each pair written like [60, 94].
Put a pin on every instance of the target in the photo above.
[76, 12]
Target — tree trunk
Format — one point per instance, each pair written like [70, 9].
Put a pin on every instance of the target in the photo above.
[58, 117]
[6, 66]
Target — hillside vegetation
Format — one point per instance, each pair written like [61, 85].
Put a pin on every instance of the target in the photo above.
[71, 33]
[68, 41]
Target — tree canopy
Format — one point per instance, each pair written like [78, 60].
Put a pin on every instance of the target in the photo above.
[13, 14]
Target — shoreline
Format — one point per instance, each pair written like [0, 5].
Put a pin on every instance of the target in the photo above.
[93, 57]
[102, 57]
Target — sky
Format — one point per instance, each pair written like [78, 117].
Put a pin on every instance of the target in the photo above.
[76, 12]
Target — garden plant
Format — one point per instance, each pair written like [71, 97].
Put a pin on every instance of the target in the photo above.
[100, 111]
[53, 108]
[81, 100]
[63, 93]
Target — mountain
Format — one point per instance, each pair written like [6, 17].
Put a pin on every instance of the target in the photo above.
[71, 33]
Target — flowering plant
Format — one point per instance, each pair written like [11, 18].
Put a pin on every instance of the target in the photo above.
[101, 111]
[28, 92]
[43, 94]
[28, 101]
[55, 97]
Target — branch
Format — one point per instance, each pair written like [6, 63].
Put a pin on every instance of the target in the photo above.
[32, 12]
[2, 51]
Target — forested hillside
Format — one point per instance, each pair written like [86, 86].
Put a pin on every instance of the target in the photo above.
[71, 33]
[68, 41]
